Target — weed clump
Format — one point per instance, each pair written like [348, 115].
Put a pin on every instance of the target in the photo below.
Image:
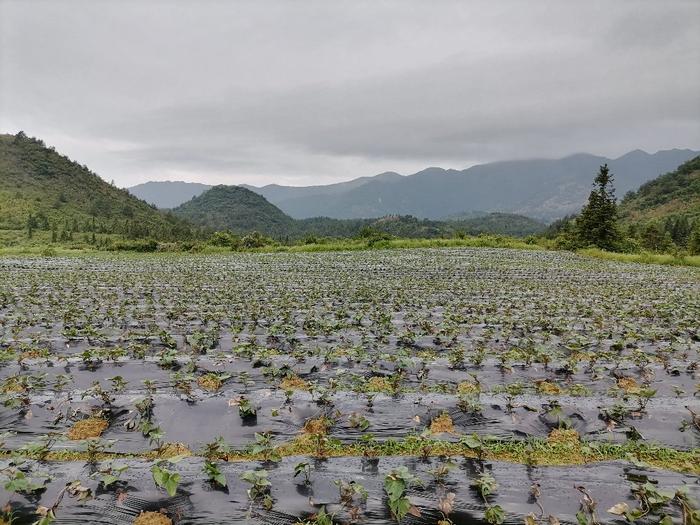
[628, 384]
[467, 387]
[169, 450]
[549, 388]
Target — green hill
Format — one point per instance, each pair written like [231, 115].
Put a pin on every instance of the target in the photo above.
[675, 194]
[41, 190]
[236, 209]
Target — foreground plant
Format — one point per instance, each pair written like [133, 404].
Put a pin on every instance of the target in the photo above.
[486, 485]
[653, 501]
[395, 485]
[214, 474]
[109, 473]
[260, 487]
[164, 478]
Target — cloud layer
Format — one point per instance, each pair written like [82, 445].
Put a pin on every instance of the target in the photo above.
[315, 92]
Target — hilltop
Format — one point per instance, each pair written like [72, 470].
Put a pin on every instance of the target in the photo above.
[237, 209]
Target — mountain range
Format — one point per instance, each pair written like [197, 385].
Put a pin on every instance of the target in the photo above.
[544, 189]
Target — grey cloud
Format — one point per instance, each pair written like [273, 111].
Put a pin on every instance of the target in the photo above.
[325, 91]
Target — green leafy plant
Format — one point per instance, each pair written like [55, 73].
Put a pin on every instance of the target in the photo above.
[303, 469]
[263, 446]
[486, 485]
[395, 485]
[260, 486]
[164, 478]
[19, 481]
[246, 409]
[108, 474]
[214, 474]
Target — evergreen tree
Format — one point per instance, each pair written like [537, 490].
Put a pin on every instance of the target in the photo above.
[679, 229]
[694, 238]
[597, 224]
[31, 225]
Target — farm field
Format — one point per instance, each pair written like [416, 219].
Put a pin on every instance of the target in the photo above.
[422, 386]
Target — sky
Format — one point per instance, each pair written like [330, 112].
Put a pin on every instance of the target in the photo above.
[315, 92]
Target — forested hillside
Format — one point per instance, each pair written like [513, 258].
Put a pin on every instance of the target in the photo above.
[42, 190]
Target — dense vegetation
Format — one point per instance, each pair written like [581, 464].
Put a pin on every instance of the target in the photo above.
[665, 212]
[237, 209]
[662, 216]
[241, 211]
[43, 191]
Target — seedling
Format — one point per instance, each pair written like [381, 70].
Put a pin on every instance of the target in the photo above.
[260, 487]
[214, 474]
[264, 447]
[246, 410]
[395, 485]
[18, 481]
[485, 485]
[94, 447]
[164, 478]
[349, 491]
[304, 469]
[109, 474]
[216, 449]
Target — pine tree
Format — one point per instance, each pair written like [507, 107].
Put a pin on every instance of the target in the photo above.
[597, 223]
[694, 238]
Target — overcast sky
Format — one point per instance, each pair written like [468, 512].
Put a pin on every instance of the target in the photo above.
[309, 92]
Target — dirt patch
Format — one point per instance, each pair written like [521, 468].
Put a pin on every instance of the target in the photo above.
[209, 382]
[294, 383]
[442, 423]
[379, 384]
[561, 436]
[152, 518]
[467, 387]
[628, 384]
[91, 427]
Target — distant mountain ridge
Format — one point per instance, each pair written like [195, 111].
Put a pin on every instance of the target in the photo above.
[545, 189]
[241, 211]
[167, 193]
